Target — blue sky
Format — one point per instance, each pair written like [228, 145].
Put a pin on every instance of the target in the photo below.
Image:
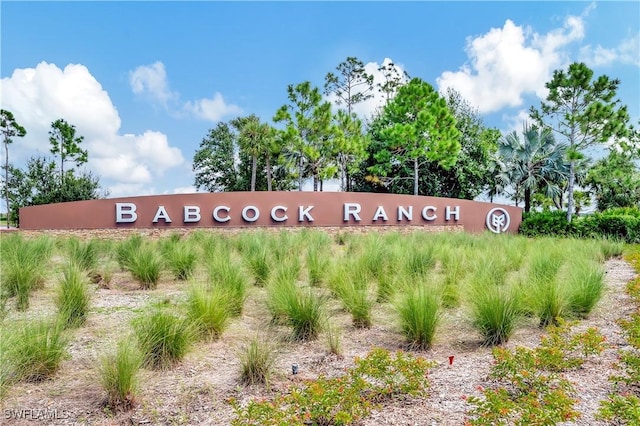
[144, 81]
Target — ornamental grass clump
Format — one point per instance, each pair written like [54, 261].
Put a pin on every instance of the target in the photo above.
[281, 294]
[84, 253]
[145, 265]
[495, 307]
[256, 361]
[23, 266]
[353, 291]
[227, 275]
[257, 258]
[181, 258]
[125, 250]
[38, 348]
[73, 298]
[318, 260]
[118, 374]
[305, 313]
[585, 287]
[163, 337]
[419, 313]
[208, 311]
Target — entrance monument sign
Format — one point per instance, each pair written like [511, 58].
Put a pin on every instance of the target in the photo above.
[272, 209]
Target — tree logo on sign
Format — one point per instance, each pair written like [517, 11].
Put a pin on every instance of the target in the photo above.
[498, 220]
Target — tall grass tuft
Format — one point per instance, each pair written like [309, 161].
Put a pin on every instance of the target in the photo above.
[420, 260]
[281, 294]
[22, 268]
[419, 312]
[73, 297]
[585, 287]
[317, 260]
[256, 256]
[548, 299]
[181, 258]
[118, 374]
[84, 253]
[226, 275]
[208, 311]
[495, 312]
[256, 361]
[39, 346]
[305, 314]
[334, 339]
[125, 250]
[453, 267]
[163, 338]
[145, 265]
[353, 291]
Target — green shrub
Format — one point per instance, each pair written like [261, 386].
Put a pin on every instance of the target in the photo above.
[340, 400]
[208, 311]
[39, 346]
[118, 375]
[419, 312]
[163, 338]
[256, 361]
[551, 223]
[145, 265]
[73, 297]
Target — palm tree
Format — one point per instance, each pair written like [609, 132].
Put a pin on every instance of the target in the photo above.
[255, 139]
[535, 163]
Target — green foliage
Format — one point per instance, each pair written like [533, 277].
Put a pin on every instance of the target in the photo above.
[208, 310]
[118, 375]
[163, 338]
[586, 286]
[145, 265]
[256, 361]
[181, 258]
[318, 258]
[256, 255]
[84, 253]
[66, 145]
[615, 182]
[37, 350]
[341, 400]
[126, 250]
[419, 312]
[73, 297]
[620, 224]
[226, 275]
[400, 134]
[23, 266]
[495, 311]
[530, 387]
[9, 129]
[305, 313]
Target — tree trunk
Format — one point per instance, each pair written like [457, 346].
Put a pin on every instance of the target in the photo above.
[300, 174]
[269, 188]
[572, 178]
[527, 200]
[321, 184]
[6, 177]
[315, 182]
[415, 176]
[254, 167]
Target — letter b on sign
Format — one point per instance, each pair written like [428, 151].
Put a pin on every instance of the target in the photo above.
[126, 213]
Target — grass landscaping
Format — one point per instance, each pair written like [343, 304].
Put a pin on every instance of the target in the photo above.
[211, 317]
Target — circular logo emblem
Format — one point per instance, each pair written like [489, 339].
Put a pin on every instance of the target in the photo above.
[498, 220]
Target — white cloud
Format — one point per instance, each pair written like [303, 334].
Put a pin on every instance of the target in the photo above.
[38, 96]
[213, 109]
[626, 52]
[151, 81]
[372, 105]
[509, 62]
[184, 190]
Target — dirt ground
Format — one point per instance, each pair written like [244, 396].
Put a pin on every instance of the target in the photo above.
[196, 391]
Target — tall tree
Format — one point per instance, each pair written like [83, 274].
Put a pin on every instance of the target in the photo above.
[350, 146]
[615, 181]
[584, 111]
[66, 145]
[392, 78]
[10, 129]
[533, 163]
[255, 138]
[214, 162]
[352, 85]
[308, 130]
[415, 127]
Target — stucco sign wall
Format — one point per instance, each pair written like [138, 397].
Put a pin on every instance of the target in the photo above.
[274, 209]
